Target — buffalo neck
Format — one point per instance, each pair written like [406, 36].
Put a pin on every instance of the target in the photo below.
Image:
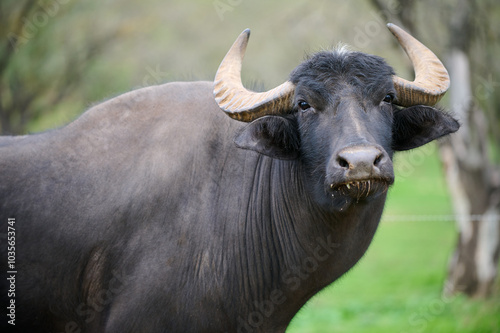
[289, 247]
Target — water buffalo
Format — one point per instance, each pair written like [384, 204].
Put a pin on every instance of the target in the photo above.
[156, 212]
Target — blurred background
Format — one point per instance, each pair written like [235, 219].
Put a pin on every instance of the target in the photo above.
[433, 264]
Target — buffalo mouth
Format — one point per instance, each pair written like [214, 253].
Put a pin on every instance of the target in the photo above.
[360, 189]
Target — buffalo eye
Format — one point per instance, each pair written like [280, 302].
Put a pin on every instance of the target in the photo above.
[303, 105]
[388, 98]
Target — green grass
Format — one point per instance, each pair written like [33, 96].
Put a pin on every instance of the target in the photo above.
[397, 286]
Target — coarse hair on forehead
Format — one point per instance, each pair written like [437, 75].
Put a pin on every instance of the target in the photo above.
[341, 48]
[342, 63]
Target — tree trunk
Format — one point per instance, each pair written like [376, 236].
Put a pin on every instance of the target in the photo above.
[474, 188]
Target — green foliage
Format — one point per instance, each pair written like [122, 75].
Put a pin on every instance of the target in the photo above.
[47, 48]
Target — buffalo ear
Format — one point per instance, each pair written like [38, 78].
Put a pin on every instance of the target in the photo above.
[417, 125]
[273, 136]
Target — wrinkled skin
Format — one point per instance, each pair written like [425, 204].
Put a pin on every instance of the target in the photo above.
[155, 212]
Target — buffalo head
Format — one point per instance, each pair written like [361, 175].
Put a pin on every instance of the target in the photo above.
[342, 114]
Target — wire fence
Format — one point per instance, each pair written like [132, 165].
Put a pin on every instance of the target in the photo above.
[437, 218]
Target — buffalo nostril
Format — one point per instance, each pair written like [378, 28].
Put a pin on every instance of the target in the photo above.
[343, 163]
[378, 159]
[360, 161]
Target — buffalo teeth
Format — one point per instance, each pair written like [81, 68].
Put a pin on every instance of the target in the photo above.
[348, 186]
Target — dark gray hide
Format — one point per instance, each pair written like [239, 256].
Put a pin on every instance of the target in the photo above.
[143, 215]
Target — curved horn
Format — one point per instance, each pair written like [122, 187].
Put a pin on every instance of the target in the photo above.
[431, 78]
[240, 103]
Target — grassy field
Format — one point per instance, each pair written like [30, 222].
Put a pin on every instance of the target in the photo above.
[397, 286]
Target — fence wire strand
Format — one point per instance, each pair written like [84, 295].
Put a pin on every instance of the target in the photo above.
[437, 218]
